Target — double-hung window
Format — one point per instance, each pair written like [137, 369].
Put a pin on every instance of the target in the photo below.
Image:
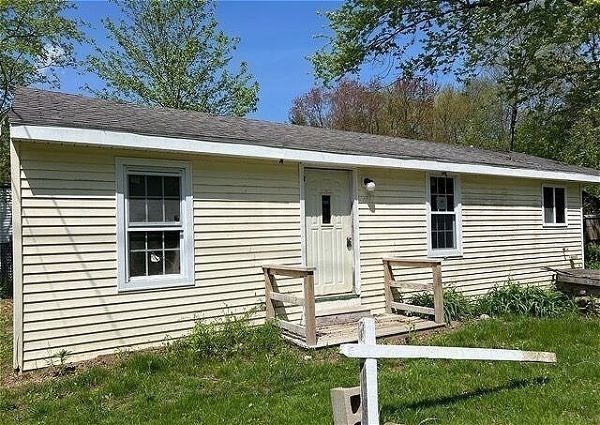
[444, 216]
[155, 234]
[554, 205]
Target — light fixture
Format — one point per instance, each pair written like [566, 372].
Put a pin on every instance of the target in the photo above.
[369, 184]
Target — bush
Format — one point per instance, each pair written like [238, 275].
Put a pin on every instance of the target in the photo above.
[592, 256]
[456, 305]
[509, 299]
[516, 299]
[230, 336]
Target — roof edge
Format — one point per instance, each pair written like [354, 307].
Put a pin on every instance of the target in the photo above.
[115, 139]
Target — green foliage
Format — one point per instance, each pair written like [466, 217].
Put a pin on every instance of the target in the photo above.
[515, 299]
[509, 299]
[542, 55]
[36, 38]
[230, 336]
[172, 54]
[570, 134]
[592, 256]
[456, 305]
[4, 154]
[524, 42]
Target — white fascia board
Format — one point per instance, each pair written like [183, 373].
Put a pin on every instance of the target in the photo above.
[115, 139]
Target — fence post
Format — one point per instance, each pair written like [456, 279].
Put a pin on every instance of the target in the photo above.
[269, 307]
[310, 320]
[368, 375]
[438, 293]
[388, 277]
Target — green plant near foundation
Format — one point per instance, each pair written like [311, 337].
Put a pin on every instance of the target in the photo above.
[525, 300]
[233, 335]
[456, 305]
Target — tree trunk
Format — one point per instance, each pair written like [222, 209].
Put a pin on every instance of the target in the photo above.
[513, 124]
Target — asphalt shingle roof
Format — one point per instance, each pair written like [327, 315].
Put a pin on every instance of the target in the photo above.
[47, 108]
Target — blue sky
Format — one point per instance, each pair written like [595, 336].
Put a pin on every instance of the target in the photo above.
[276, 37]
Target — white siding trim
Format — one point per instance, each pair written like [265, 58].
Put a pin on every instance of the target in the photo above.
[356, 230]
[137, 141]
[15, 176]
[186, 278]
[444, 253]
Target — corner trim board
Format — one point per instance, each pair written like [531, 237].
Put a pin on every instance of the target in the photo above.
[15, 176]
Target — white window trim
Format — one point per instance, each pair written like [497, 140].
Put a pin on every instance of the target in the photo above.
[443, 253]
[555, 224]
[186, 277]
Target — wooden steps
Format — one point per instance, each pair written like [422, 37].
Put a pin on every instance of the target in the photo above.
[341, 315]
[385, 325]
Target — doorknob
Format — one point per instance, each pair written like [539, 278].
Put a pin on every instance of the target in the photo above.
[349, 242]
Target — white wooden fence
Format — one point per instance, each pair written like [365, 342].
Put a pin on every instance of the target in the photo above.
[368, 352]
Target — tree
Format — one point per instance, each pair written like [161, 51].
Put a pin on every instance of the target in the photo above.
[539, 50]
[172, 54]
[415, 108]
[402, 108]
[36, 38]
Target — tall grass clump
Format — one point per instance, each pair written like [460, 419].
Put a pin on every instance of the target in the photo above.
[456, 305]
[592, 256]
[524, 300]
[230, 336]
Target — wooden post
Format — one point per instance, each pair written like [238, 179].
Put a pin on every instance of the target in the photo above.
[368, 374]
[269, 306]
[310, 320]
[438, 293]
[388, 277]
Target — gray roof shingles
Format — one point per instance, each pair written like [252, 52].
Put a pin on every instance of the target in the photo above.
[47, 108]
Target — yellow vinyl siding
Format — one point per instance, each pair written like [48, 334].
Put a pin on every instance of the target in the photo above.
[245, 214]
[502, 231]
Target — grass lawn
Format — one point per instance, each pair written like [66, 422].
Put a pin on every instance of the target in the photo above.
[286, 387]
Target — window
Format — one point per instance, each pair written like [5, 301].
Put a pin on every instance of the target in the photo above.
[154, 224]
[554, 205]
[326, 209]
[443, 200]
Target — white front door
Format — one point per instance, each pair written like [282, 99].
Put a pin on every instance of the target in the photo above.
[328, 209]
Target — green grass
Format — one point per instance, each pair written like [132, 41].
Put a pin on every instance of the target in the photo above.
[5, 337]
[278, 385]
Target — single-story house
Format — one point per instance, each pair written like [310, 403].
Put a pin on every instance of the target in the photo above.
[130, 222]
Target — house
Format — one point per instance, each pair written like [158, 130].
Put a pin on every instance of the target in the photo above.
[130, 222]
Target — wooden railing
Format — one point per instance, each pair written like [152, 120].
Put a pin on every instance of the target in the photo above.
[307, 302]
[436, 286]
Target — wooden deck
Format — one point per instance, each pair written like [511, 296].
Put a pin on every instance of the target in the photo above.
[385, 325]
[309, 333]
[579, 281]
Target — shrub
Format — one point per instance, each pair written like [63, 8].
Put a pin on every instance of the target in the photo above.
[592, 256]
[509, 299]
[456, 305]
[230, 336]
[516, 299]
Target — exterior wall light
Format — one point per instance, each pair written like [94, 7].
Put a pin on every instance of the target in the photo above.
[369, 184]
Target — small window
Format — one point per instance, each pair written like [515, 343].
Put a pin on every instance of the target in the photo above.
[444, 216]
[326, 209]
[155, 228]
[554, 205]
